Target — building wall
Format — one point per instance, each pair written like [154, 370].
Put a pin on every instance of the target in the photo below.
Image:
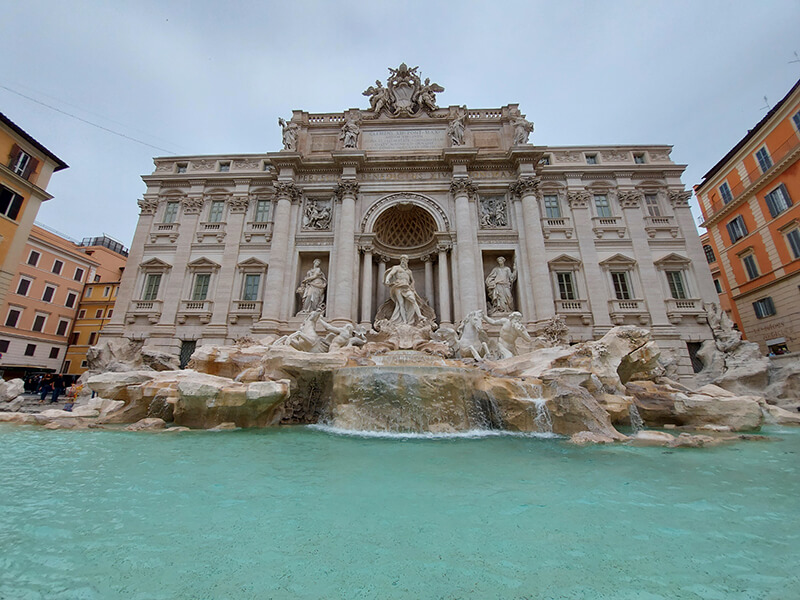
[766, 238]
[94, 312]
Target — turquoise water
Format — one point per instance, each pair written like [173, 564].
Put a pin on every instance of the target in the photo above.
[304, 513]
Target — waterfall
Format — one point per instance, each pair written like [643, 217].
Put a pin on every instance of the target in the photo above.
[637, 423]
[544, 423]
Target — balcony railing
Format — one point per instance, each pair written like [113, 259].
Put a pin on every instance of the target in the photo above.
[244, 308]
[164, 230]
[560, 225]
[258, 229]
[195, 308]
[652, 225]
[214, 229]
[635, 307]
[605, 225]
[572, 306]
[144, 308]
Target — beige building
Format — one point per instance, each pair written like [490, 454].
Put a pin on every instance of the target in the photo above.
[602, 235]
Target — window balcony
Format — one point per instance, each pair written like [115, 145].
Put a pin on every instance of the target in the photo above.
[255, 229]
[560, 225]
[167, 231]
[677, 308]
[195, 308]
[635, 307]
[655, 225]
[211, 229]
[608, 226]
[144, 308]
[244, 308]
[575, 308]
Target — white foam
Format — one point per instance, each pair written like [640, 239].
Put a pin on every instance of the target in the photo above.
[398, 435]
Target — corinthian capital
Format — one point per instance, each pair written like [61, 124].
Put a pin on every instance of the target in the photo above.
[346, 188]
[147, 206]
[192, 205]
[679, 198]
[287, 190]
[578, 199]
[462, 185]
[525, 186]
[630, 199]
[239, 204]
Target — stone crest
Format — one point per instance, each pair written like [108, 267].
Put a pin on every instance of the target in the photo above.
[405, 95]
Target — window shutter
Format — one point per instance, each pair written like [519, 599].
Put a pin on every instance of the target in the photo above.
[773, 210]
[31, 168]
[731, 234]
[12, 158]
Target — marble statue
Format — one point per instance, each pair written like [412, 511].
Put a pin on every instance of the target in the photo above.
[378, 97]
[290, 132]
[312, 289]
[350, 131]
[305, 339]
[522, 127]
[511, 329]
[456, 128]
[472, 339]
[498, 286]
[317, 215]
[345, 336]
[493, 213]
[427, 94]
[400, 282]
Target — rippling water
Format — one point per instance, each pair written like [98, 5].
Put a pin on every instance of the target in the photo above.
[310, 513]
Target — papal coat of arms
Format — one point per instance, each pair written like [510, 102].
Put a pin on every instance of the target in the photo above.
[405, 94]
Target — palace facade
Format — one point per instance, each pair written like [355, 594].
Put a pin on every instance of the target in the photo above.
[601, 235]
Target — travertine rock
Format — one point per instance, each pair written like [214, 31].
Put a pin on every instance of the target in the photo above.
[780, 416]
[573, 409]
[587, 437]
[651, 438]
[146, 424]
[9, 390]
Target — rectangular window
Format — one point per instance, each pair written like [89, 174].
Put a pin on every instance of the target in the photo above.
[710, 258]
[262, 211]
[30, 350]
[151, 284]
[23, 286]
[49, 291]
[224, 167]
[639, 159]
[171, 212]
[70, 302]
[718, 286]
[796, 120]
[33, 258]
[201, 282]
[180, 168]
[67, 364]
[566, 285]
[10, 203]
[725, 192]
[96, 278]
[601, 203]
[98, 314]
[215, 212]
[19, 163]
[651, 202]
[552, 208]
[82, 313]
[676, 285]
[88, 292]
[4, 345]
[62, 327]
[92, 338]
[84, 364]
[750, 266]
[53, 352]
[736, 229]
[793, 237]
[545, 160]
[57, 266]
[778, 200]
[109, 313]
[764, 308]
[591, 159]
[78, 274]
[251, 285]
[12, 317]
[38, 322]
[622, 288]
[106, 291]
[73, 338]
[764, 160]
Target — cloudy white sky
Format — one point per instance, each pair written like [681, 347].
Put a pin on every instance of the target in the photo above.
[207, 77]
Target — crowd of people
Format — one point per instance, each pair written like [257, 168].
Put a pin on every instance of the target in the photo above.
[52, 384]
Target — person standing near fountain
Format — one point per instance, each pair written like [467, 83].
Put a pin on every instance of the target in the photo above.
[400, 282]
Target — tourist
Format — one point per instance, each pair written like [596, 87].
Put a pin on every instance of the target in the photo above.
[45, 386]
[58, 388]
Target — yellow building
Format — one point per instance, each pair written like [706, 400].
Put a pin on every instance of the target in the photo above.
[96, 305]
[25, 170]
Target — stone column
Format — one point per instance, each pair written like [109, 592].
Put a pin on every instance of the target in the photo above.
[630, 202]
[382, 260]
[217, 330]
[274, 292]
[462, 188]
[428, 261]
[346, 255]
[444, 285]
[596, 288]
[366, 287]
[683, 217]
[539, 286]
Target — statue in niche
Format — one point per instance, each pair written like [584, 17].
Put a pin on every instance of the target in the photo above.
[456, 128]
[427, 95]
[400, 282]
[378, 97]
[511, 329]
[522, 127]
[290, 132]
[317, 215]
[350, 131]
[312, 289]
[493, 213]
[498, 286]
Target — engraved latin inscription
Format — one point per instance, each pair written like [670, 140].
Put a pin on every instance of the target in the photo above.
[404, 139]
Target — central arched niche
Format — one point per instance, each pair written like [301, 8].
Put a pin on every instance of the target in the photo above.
[405, 223]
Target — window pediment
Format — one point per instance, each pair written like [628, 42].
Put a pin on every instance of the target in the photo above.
[618, 261]
[202, 263]
[564, 262]
[155, 264]
[672, 260]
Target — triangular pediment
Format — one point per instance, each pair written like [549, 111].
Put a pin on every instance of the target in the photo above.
[202, 263]
[155, 263]
[252, 263]
[564, 260]
[672, 259]
[618, 260]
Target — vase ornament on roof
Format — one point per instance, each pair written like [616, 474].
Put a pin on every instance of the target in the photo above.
[405, 94]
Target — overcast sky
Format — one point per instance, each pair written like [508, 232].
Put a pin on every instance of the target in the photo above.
[208, 77]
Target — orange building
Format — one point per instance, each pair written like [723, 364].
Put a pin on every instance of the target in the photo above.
[25, 170]
[751, 208]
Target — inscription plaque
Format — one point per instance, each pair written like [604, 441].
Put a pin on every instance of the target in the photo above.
[403, 139]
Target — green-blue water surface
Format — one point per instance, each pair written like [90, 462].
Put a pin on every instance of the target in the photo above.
[303, 513]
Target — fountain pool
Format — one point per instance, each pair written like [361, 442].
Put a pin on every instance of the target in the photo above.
[308, 513]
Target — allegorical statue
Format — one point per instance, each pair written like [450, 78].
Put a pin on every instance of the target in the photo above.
[522, 127]
[456, 128]
[511, 329]
[312, 289]
[290, 131]
[317, 215]
[400, 282]
[427, 94]
[378, 97]
[498, 286]
[350, 131]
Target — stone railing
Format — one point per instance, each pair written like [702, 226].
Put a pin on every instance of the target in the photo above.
[244, 308]
[167, 231]
[677, 308]
[561, 225]
[574, 308]
[195, 308]
[635, 307]
[144, 308]
[255, 229]
[608, 225]
[653, 225]
[211, 229]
